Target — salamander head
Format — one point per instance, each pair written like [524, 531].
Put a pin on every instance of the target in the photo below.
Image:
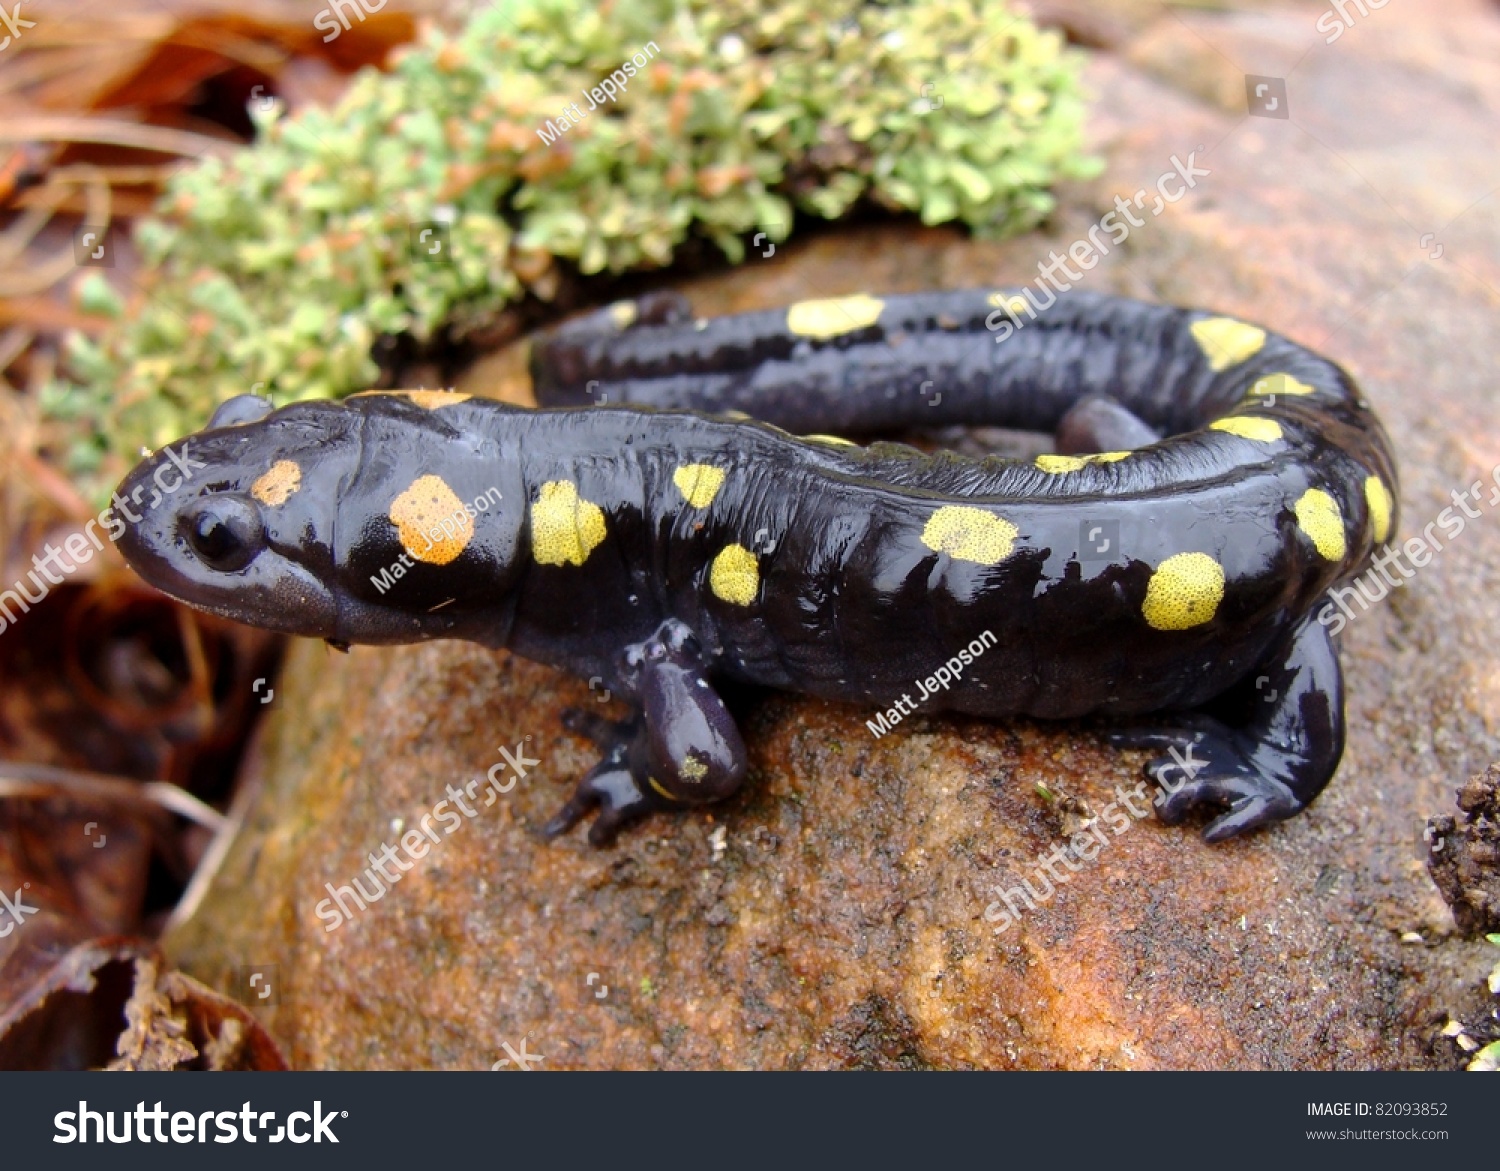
[238, 519]
[386, 518]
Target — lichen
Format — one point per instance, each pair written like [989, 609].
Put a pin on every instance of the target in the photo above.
[278, 268]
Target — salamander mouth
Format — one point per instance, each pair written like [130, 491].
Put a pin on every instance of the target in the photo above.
[283, 596]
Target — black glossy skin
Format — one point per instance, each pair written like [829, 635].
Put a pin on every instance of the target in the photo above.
[861, 584]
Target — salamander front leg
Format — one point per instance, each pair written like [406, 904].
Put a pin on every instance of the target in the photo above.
[683, 749]
[1272, 767]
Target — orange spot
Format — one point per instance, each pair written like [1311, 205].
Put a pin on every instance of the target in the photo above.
[431, 521]
[276, 487]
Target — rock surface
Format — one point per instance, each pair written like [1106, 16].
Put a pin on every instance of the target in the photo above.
[834, 914]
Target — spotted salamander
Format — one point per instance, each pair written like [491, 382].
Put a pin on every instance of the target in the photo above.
[1211, 481]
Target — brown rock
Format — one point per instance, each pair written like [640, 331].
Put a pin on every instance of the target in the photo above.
[835, 913]
[1464, 856]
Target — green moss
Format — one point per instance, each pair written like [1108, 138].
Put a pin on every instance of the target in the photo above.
[276, 270]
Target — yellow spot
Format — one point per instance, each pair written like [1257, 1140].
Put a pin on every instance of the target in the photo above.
[429, 400]
[1249, 427]
[698, 483]
[969, 534]
[433, 399]
[1281, 384]
[692, 768]
[1319, 517]
[835, 440]
[1185, 591]
[1225, 341]
[1072, 463]
[1012, 301]
[833, 315]
[734, 575]
[564, 528]
[275, 488]
[431, 521]
[623, 314]
[1379, 499]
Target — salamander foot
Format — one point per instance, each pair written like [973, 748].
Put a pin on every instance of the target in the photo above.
[1209, 765]
[609, 787]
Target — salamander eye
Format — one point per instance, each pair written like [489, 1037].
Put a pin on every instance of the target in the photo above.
[225, 531]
